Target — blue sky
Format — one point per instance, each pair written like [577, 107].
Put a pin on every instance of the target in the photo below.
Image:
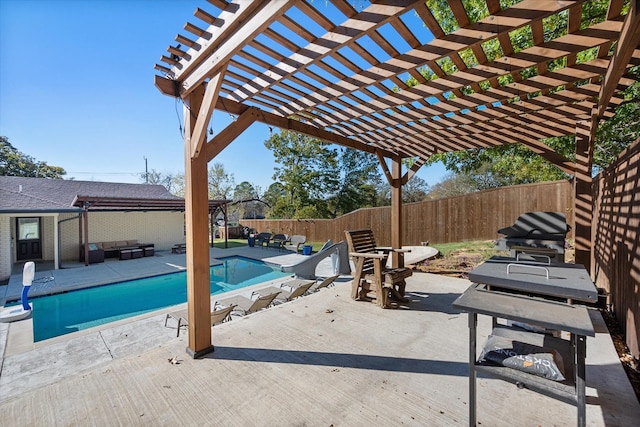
[76, 91]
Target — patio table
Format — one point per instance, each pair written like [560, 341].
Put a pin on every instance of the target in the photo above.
[539, 296]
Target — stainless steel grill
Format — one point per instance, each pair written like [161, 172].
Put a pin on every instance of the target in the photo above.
[536, 233]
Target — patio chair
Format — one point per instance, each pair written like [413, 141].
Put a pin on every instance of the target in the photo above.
[278, 241]
[295, 242]
[263, 239]
[244, 305]
[297, 289]
[371, 273]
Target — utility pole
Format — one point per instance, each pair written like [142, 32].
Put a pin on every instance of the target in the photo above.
[146, 171]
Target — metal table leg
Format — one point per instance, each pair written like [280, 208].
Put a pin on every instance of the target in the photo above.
[473, 322]
[580, 342]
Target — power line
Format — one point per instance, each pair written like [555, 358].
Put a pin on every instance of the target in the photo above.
[102, 173]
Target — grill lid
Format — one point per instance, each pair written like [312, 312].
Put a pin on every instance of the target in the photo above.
[538, 225]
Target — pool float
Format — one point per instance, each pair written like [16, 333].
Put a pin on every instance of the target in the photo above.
[21, 311]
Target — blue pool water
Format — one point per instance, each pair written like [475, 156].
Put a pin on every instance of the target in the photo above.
[64, 313]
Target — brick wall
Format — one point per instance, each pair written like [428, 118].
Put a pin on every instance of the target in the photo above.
[163, 229]
[5, 246]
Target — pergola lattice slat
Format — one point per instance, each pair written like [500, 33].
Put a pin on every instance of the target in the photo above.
[397, 80]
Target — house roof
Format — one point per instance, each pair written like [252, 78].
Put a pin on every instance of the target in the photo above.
[20, 194]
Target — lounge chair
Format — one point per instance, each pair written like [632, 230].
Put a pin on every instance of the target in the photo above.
[295, 242]
[244, 305]
[371, 273]
[324, 283]
[263, 239]
[278, 241]
[221, 314]
[289, 290]
[218, 315]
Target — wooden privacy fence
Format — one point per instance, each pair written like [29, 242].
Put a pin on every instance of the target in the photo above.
[615, 258]
[453, 219]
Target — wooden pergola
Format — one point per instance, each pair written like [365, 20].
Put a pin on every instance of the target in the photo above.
[339, 71]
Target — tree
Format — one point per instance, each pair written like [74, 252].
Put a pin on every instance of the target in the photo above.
[306, 173]
[15, 163]
[246, 197]
[357, 173]
[415, 190]
[171, 182]
[509, 164]
[516, 164]
[274, 193]
[221, 183]
[615, 134]
[383, 193]
[453, 185]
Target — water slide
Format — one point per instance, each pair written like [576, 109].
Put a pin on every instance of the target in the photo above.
[339, 253]
[19, 312]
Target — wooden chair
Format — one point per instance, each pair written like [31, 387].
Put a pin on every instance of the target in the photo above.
[371, 274]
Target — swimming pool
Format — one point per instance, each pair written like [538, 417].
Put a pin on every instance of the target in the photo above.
[64, 313]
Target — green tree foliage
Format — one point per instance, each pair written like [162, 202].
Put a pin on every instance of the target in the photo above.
[274, 193]
[306, 173]
[15, 163]
[509, 164]
[314, 180]
[247, 198]
[515, 164]
[615, 134]
[383, 193]
[454, 184]
[415, 190]
[357, 173]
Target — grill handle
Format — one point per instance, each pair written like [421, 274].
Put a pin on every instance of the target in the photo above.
[536, 255]
[528, 266]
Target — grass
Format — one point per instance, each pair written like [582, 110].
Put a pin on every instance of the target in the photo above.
[483, 247]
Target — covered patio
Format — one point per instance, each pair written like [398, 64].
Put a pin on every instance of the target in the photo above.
[398, 80]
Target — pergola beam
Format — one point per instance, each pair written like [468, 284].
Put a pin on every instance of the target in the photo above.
[228, 134]
[199, 133]
[215, 56]
[272, 119]
[627, 43]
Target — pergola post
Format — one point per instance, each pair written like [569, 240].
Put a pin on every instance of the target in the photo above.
[197, 230]
[583, 198]
[397, 258]
[85, 234]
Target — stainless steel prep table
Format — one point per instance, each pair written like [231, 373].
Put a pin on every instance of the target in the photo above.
[539, 295]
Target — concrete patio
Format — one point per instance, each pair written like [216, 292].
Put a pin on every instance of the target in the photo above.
[323, 359]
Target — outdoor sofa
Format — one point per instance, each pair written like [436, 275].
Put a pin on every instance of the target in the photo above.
[123, 249]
